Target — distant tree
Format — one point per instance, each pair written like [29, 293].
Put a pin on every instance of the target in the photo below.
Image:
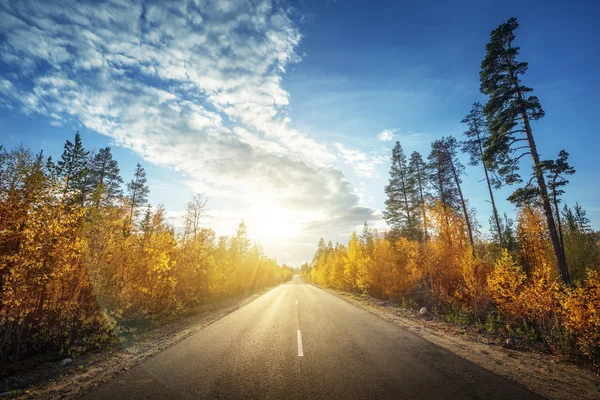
[477, 133]
[87, 183]
[556, 172]
[194, 212]
[417, 172]
[509, 238]
[445, 172]
[367, 238]
[321, 250]
[137, 194]
[441, 179]
[510, 110]
[400, 213]
[581, 250]
[240, 243]
[71, 169]
[449, 146]
[105, 181]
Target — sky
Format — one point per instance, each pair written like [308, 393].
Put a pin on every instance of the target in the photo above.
[284, 113]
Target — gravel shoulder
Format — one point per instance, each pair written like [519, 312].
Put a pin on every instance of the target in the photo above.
[541, 373]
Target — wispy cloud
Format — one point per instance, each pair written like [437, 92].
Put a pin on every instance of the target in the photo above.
[387, 135]
[194, 86]
[364, 164]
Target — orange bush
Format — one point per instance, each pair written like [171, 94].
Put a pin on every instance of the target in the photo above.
[581, 315]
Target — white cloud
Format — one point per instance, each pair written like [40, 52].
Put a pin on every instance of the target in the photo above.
[193, 86]
[363, 164]
[387, 135]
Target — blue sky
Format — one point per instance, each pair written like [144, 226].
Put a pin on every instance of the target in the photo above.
[275, 109]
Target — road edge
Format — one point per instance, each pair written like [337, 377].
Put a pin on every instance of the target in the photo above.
[543, 374]
[94, 370]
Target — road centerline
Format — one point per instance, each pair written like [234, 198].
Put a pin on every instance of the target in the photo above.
[300, 351]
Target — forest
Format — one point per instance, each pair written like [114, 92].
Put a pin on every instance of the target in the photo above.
[84, 259]
[534, 279]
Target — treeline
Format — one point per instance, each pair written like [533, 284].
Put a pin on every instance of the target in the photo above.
[537, 279]
[84, 258]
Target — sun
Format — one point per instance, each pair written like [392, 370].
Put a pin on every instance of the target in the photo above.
[274, 223]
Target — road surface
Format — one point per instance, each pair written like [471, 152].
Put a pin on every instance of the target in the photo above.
[300, 342]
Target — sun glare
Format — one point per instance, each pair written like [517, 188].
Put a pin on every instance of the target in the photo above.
[274, 222]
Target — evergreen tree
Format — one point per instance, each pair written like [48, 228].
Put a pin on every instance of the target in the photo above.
[477, 133]
[105, 181]
[367, 238]
[445, 178]
[556, 171]
[400, 212]
[581, 250]
[137, 193]
[510, 110]
[87, 183]
[417, 172]
[71, 169]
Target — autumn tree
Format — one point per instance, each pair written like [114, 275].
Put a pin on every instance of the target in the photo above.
[68, 282]
[400, 211]
[477, 134]
[510, 110]
[137, 194]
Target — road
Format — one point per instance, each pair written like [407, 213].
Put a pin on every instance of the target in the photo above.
[300, 342]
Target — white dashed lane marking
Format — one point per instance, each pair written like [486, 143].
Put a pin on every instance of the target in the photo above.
[300, 352]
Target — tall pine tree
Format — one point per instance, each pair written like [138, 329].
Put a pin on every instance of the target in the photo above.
[71, 169]
[417, 171]
[105, 181]
[445, 171]
[477, 133]
[510, 110]
[556, 172]
[400, 213]
[137, 194]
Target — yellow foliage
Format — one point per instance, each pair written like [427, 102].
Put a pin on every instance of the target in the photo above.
[581, 314]
[71, 275]
[506, 283]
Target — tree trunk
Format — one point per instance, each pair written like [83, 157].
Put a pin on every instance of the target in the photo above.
[463, 204]
[422, 201]
[489, 185]
[561, 260]
[444, 206]
[409, 220]
[557, 211]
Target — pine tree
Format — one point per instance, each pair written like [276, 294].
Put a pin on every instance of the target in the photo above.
[105, 181]
[137, 193]
[417, 172]
[510, 110]
[367, 238]
[445, 178]
[85, 188]
[71, 169]
[556, 171]
[400, 213]
[477, 134]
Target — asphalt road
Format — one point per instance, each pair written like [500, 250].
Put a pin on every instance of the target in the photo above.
[300, 342]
